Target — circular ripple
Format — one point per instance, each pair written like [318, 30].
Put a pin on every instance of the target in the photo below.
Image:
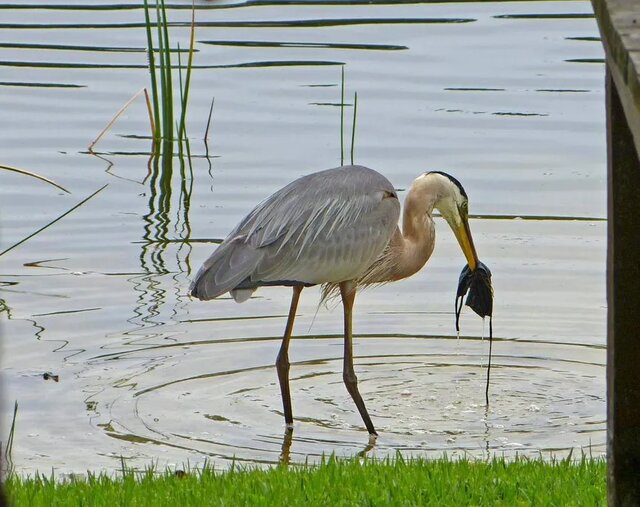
[425, 397]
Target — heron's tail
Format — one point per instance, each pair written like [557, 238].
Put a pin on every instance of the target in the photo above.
[230, 265]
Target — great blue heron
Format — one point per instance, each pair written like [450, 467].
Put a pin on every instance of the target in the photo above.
[338, 228]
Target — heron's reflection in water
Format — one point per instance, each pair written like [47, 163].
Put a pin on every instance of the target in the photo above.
[285, 451]
[370, 445]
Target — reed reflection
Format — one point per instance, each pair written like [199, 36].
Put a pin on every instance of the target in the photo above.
[166, 223]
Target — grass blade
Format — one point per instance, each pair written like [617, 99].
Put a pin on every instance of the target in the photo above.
[206, 131]
[54, 221]
[168, 96]
[187, 83]
[9, 447]
[152, 71]
[178, 126]
[115, 117]
[353, 127]
[163, 87]
[342, 119]
[152, 122]
[33, 175]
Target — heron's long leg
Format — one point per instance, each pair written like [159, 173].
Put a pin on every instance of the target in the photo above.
[282, 362]
[348, 293]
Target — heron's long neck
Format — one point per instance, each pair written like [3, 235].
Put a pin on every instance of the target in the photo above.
[414, 245]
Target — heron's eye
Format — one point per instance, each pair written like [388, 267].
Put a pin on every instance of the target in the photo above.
[389, 195]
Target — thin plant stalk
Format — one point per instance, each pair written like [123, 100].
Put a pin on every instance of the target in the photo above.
[162, 75]
[9, 447]
[113, 120]
[152, 72]
[33, 175]
[342, 119]
[54, 221]
[206, 131]
[353, 126]
[206, 136]
[152, 122]
[167, 85]
[188, 145]
[167, 70]
[179, 127]
[183, 140]
[187, 83]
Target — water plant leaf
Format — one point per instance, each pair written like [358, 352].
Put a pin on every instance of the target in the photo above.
[33, 175]
[115, 117]
[206, 131]
[185, 94]
[353, 125]
[342, 116]
[152, 73]
[54, 221]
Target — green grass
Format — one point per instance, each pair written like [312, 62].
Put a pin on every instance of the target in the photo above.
[336, 482]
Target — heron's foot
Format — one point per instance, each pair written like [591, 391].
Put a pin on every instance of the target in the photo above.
[373, 438]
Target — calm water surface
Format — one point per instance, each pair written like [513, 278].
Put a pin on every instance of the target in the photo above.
[507, 96]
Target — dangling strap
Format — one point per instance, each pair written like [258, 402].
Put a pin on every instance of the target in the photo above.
[460, 300]
[486, 392]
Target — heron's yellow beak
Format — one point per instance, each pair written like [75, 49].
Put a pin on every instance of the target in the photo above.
[463, 235]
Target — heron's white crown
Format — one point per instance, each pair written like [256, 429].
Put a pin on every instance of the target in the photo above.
[449, 197]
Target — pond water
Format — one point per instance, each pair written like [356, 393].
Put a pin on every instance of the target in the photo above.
[506, 96]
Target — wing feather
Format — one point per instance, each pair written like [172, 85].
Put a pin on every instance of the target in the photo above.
[328, 226]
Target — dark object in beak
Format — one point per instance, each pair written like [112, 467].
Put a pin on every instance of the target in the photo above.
[478, 283]
[480, 299]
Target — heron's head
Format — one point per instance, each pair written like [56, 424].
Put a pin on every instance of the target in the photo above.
[453, 204]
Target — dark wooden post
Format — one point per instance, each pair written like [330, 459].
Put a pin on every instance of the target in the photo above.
[619, 22]
[623, 295]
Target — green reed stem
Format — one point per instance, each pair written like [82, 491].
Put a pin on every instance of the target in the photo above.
[342, 118]
[187, 83]
[206, 131]
[353, 126]
[53, 221]
[152, 71]
[163, 87]
[183, 139]
[9, 447]
[167, 152]
[179, 127]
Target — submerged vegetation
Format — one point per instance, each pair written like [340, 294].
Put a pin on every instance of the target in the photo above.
[335, 482]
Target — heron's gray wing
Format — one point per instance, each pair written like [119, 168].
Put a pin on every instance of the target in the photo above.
[226, 268]
[325, 227]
